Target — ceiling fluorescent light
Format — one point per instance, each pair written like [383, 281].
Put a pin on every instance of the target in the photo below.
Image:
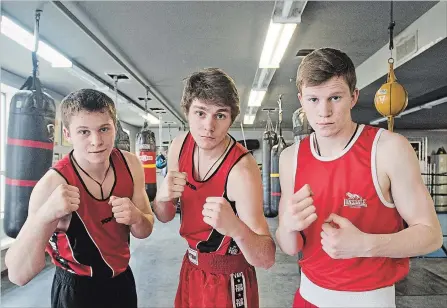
[152, 119]
[79, 73]
[263, 78]
[256, 97]
[249, 119]
[275, 45]
[4, 88]
[51, 55]
[17, 34]
[26, 39]
[286, 35]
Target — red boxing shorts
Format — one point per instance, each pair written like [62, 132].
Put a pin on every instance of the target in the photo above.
[209, 280]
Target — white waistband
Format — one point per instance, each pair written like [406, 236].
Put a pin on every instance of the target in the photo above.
[321, 297]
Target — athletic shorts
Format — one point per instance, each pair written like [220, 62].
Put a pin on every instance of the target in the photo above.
[209, 280]
[300, 302]
[74, 291]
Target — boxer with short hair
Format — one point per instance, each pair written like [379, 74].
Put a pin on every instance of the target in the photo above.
[220, 190]
[345, 201]
[83, 211]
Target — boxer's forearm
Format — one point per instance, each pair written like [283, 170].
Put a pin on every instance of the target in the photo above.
[258, 249]
[290, 243]
[165, 211]
[413, 241]
[143, 228]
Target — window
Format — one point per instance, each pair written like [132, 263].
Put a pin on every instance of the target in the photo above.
[6, 93]
[2, 151]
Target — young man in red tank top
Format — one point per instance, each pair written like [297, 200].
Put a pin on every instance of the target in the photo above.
[220, 193]
[344, 202]
[82, 212]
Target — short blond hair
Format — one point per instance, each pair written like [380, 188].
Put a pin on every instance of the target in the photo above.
[88, 100]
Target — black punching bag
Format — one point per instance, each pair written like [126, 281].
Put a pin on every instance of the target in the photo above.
[29, 150]
[268, 140]
[122, 140]
[266, 148]
[146, 148]
[301, 126]
[267, 143]
[274, 176]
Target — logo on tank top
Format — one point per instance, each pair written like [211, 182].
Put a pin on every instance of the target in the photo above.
[354, 201]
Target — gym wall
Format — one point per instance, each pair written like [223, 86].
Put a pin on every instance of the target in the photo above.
[436, 138]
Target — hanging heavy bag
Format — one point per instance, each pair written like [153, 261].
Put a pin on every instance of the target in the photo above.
[269, 139]
[146, 147]
[301, 126]
[275, 185]
[274, 176]
[29, 144]
[122, 140]
[29, 150]
[266, 148]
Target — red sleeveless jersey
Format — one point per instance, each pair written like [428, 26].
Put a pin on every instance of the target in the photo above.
[94, 244]
[348, 186]
[198, 234]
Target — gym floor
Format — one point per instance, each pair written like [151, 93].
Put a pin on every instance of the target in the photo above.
[156, 263]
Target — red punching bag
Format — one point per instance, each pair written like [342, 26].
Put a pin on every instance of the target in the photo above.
[146, 147]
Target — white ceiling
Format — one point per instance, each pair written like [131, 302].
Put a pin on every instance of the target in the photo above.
[160, 43]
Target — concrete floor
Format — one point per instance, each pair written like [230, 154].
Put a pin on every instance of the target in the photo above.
[156, 263]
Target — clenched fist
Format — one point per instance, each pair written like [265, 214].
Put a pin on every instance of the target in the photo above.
[124, 211]
[299, 211]
[172, 187]
[63, 200]
[340, 239]
[219, 214]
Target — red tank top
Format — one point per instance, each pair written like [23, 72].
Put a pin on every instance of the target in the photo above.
[347, 186]
[94, 244]
[198, 234]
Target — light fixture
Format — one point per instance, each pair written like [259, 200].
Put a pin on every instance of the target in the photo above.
[147, 116]
[26, 39]
[249, 119]
[285, 18]
[263, 77]
[79, 73]
[256, 97]
[4, 88]
[428, 105]
[275, 44]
